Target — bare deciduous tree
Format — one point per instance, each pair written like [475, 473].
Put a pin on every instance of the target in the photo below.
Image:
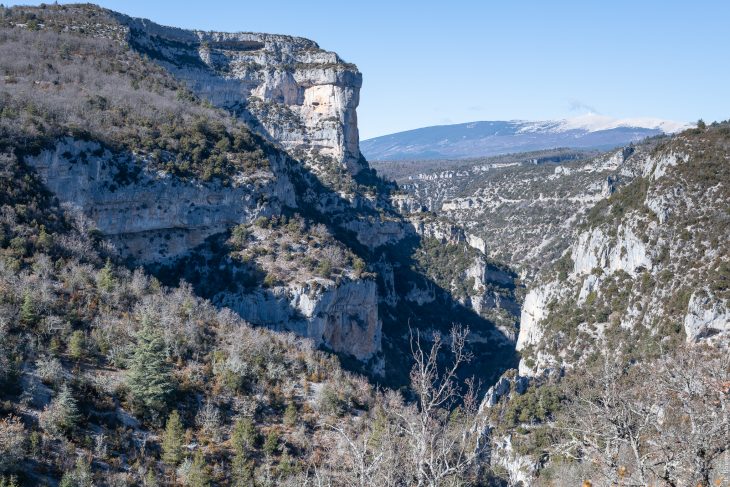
[666, 421]
[440, 433]
[428, 442]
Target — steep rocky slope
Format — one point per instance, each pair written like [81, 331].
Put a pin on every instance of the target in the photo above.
[650, 261]
[190, 137]
[287, 88]
[522, 208]
[641, 291]
[72, 329]
[174, 204]
[175, 201]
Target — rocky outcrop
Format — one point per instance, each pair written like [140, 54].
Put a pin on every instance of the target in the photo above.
[406, 203]
[504, 386]
[707, 318]
[476, 243]
[290, 90]
[626, 252]
[655, 168]
[374, 232]
[342, 317]
[650, 262]
[521, 469]
[534, 310]
[152, 216]
[442, 230]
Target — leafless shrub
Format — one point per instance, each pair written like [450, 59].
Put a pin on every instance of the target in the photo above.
[672, 428]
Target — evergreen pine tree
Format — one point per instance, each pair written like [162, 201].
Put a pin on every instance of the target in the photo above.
[62, 415]
[244, 436]
[80, 476]
[150, 480]
[199, 475]
[77, 345]
[286, 466]
[106, 279]
[271, 443]
[172, 441]
[44, 241]
[290, 414]
[70, 411]
[149, 379]
[242, 471]
[27, 310]
[243, 440]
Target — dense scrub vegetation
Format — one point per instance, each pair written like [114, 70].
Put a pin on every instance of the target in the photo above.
[89, 86]
[107, 376]
[447, 263]
[655, 421]
[110, 377]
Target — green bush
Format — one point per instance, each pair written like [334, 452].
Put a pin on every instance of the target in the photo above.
[77, 345]
[537, 404]
[271, 444]
[62, 415]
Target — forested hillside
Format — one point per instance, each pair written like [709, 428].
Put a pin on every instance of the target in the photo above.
[128, 200]
[203, 282]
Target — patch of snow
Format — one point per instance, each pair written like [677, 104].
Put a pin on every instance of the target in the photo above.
[592, 122]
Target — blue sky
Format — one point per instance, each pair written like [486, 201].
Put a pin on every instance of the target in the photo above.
[438, 62]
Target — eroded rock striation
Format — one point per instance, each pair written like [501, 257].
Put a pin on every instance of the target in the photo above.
[152, 216]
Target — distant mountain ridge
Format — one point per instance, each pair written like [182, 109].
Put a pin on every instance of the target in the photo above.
[489, 138]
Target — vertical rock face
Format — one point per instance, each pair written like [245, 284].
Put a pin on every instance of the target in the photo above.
[301, 96]
[534, 309]
[154, 218]
[326, 232]
[624, 252]
[151, 217]
[707, 319]
[343, 317]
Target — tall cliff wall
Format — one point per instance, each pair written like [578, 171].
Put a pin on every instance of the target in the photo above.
[300, 96]
[280, 230]
[154, 218]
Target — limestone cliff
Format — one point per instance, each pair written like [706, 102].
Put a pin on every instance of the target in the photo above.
[152, 216]
[291, 90]
[645, 270]
[342, 317]
[158, 157]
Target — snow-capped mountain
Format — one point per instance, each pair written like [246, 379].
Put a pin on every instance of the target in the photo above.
[478, 139]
